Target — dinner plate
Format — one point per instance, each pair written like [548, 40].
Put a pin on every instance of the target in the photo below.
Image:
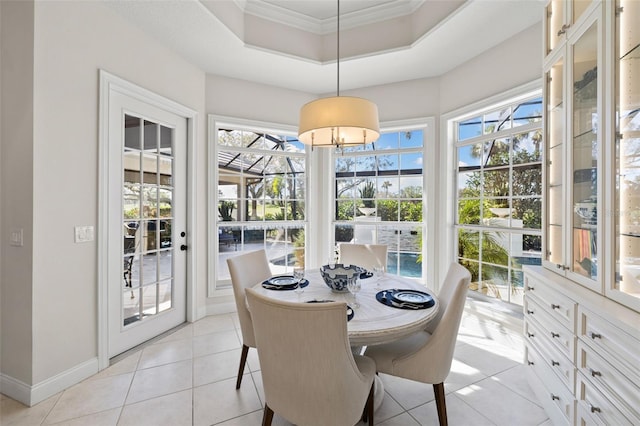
[283, 282]
[411, 296]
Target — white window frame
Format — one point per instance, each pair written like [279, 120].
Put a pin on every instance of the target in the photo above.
[448, 133]
[216, 287]
[430, 192]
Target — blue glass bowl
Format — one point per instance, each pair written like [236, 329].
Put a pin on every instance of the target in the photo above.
[337, 276]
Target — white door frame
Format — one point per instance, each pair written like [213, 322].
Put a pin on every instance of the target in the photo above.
[110, 83]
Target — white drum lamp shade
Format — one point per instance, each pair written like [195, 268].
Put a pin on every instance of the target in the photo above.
[338, 121]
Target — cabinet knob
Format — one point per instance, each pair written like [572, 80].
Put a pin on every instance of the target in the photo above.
[595, 373]
[529, 311]
[595, 335]
[554, 363]
[554, 306]
[530, 362]
[555, 397]
[554, 334]
[594, 409]
[529, 334]
[529, 288]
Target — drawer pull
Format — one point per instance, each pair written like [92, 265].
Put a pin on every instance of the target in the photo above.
[596, 335]
[555, 397]
[554, 334]
[529, 311]
[595, 373]
[554, 363]
[595, 409]
[530, 334]
[554, 306]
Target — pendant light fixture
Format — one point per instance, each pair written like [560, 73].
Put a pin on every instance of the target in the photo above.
[338, 121]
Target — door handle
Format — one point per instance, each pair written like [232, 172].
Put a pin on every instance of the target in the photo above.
[183, 247]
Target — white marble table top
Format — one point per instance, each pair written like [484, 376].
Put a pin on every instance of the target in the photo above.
[373, 323]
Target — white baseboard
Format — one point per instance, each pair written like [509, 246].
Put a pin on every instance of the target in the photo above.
[221, 308]
[31, 395]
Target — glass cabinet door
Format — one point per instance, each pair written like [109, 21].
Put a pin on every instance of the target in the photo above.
[561, 15]
[556, 25]
[584, 154]
[555, 134]
[627, 104]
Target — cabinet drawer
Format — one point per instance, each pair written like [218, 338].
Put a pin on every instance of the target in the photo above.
[560, 307]
[621, 384]
[607, 339]
[559, 336]
[550, 356]
[556, 399]
[598, 405]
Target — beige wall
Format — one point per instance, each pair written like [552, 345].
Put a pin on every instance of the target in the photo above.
[52, 162]
[16, 39]
[513, 63]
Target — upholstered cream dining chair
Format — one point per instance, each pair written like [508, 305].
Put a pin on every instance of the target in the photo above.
[246, 270]
[426, 356]
[309, 373]
[365, 255]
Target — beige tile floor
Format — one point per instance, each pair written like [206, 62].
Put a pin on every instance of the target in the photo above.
[188, 378]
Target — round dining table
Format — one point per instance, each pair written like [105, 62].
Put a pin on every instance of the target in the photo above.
[373, 322]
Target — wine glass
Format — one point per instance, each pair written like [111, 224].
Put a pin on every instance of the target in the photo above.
[378, 271]
[354, 286]
[298, 275]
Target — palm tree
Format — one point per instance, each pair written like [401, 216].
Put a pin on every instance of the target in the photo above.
[386, 185]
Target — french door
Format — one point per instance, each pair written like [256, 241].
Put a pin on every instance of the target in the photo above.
[146, 221]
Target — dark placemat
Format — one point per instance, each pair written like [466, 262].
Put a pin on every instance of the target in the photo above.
[350, 311]
[386, 297]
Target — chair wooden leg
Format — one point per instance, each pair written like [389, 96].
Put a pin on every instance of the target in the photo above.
[440, 403]
[243, 361]
[267, 417]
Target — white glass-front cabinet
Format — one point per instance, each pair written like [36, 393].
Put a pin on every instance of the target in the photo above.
[582, 307]
[626, 286]
[574, 134]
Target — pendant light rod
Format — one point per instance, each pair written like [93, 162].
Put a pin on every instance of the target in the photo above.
[338, 51]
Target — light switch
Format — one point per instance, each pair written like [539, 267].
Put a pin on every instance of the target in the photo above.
[15, 238]
[83, 234]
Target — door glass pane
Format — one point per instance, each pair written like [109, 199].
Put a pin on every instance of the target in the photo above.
[131, 133]
[585, 153]
[147, 244]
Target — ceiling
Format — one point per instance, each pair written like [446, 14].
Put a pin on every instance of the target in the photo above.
[293, 43]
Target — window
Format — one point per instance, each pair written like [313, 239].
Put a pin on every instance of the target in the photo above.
[378, 198]
[499, 196]
[260, 198]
